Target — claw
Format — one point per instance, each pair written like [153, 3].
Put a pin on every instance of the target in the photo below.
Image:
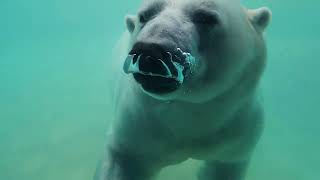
[129, 66]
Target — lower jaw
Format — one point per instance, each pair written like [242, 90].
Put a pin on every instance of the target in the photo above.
[158, 90]
[156, 85]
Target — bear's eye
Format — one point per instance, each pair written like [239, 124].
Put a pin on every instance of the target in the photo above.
[205, 18]
[142, 18]
[150, 11]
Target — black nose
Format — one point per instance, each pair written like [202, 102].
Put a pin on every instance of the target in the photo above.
[152, 58]
[156, 68]
[154, 50]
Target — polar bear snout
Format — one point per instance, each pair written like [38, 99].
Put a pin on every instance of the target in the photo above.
[154, 58]
[159, 69]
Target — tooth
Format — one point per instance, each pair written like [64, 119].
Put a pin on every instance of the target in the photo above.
[129, 66]
[179, 50]
[135, 66]
[137, 61]
[179, 69]
[128, 62]
[191, 60]
[178, 58]
[170, 56]
[169, 74]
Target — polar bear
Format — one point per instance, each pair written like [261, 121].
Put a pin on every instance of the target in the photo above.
[187, 88]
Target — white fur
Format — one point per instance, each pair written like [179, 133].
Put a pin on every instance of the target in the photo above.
[214, 119]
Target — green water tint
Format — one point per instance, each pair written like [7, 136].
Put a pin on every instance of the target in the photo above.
[133, 67]
[56, 76]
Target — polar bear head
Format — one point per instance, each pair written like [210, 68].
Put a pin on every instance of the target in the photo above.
[196, 50]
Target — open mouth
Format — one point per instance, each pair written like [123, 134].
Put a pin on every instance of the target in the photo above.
[158, 72]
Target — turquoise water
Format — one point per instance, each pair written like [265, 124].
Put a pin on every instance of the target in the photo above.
[54, 107]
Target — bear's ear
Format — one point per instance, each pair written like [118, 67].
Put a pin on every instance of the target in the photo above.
[260, 18]
[131, 22]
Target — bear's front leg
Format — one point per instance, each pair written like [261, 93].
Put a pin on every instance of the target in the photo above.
[122, 166]
[213, 170]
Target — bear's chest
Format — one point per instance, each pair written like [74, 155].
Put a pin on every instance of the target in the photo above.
[167, 125]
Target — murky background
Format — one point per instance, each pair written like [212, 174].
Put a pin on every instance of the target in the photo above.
[54, 105]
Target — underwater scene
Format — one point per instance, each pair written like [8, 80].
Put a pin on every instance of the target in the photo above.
[56, 108]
